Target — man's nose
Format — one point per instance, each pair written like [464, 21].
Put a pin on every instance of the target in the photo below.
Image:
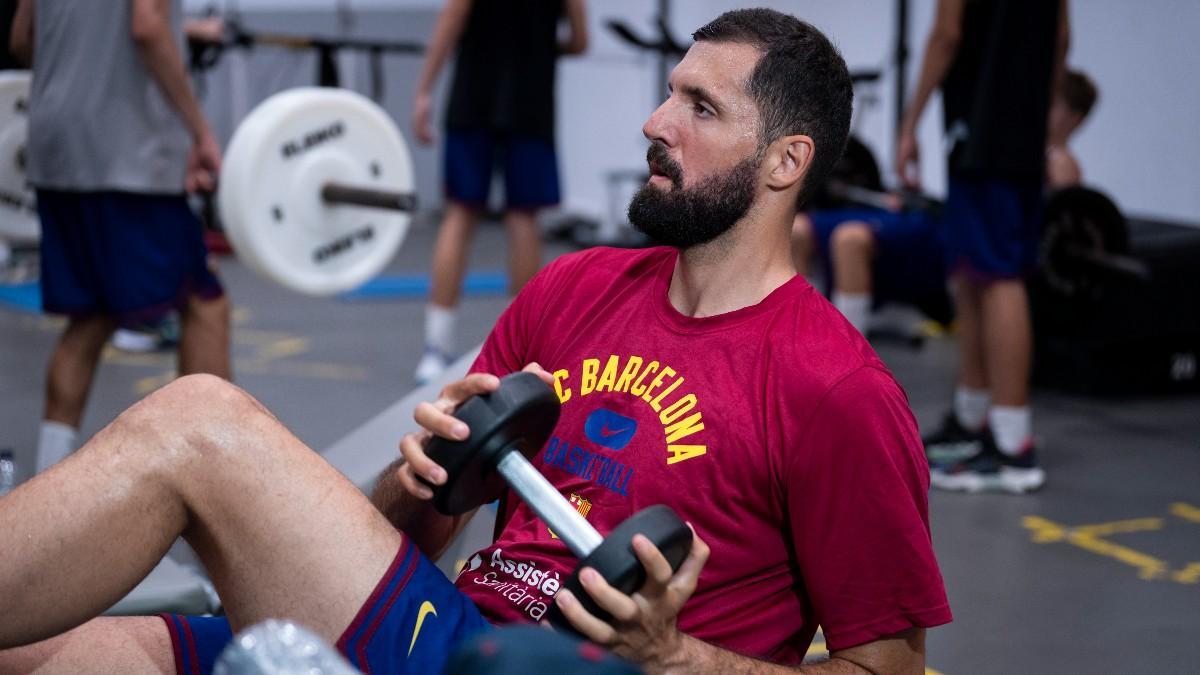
[658, 126]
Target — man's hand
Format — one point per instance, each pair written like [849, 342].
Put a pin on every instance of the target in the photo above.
[422, 118]
[908, 167]
[204, 164]
[210, 29]
[643, 627]
[437, 418]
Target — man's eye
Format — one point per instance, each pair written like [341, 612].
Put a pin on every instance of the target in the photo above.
[702, 111]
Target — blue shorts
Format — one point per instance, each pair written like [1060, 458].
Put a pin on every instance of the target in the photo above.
[909, 266]
[529, 165]
[993, 226]
[134, 257]
[411, 623]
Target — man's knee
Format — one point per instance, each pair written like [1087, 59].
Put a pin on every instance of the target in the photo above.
[193, 407]
[853, 238]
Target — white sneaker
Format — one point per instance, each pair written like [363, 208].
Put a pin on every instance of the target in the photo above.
[433, 363]
[134, 341]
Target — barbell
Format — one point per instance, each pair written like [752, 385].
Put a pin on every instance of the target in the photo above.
[316, 192]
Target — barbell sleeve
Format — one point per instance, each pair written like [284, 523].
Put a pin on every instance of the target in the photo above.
[548, 503]
[339, 193]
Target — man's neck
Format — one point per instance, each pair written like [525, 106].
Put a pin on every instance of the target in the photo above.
[735, 270]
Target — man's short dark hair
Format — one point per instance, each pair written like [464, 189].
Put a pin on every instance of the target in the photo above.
[801, 84]
[1079, 92]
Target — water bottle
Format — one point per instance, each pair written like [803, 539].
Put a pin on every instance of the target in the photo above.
[280, 648]
[8, 472]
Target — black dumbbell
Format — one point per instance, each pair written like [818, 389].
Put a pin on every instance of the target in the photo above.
[508, 428]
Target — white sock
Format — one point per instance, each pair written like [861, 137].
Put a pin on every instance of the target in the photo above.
[439, 328]
[55, 441]
[971, 407]
[856, 307]
[1012, 427]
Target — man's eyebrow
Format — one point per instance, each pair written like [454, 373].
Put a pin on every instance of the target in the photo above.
[698, 92]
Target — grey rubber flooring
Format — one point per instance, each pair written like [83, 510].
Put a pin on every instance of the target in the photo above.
[1098, 572]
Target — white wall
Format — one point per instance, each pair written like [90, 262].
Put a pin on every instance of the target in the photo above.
[1141, 145]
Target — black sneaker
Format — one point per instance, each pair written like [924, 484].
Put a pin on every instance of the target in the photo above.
[990, 470]
[952, 443]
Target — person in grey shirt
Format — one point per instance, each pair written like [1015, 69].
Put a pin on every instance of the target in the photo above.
[116, 140]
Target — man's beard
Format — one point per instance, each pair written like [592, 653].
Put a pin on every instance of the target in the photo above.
[684, 218]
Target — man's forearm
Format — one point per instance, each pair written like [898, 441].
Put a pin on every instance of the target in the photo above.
[20, 33]
[431, 531]
[446, 32]
[161, 57]
[939, 55]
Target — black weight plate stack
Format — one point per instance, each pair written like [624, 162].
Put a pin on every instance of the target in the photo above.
[1079, 219]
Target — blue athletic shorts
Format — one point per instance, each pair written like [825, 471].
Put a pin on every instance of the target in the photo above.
[130, 256]
[993, 226]
[411, 623]
[529, 166]
[909, 266]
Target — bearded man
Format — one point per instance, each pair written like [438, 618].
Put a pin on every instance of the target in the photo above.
[703, 374]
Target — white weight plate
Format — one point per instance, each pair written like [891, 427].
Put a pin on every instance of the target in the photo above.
[269, 198]
[18, 206]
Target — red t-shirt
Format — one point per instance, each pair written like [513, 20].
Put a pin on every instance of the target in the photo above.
[774, 429]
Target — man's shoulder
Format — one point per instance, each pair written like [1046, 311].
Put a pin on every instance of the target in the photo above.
[818, 349]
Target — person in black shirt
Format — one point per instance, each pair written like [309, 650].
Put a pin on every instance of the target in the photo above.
[996, 62]
[500, 114]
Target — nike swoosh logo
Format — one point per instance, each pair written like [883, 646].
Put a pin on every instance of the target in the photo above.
[606, 432]
[426, 609]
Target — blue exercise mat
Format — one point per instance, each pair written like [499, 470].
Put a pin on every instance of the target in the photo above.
[26, 297]
[417, 286]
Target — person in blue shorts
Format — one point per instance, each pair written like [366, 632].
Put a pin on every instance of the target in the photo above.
[116, 137]
[997, 64]
[873, 257]
[500, 116]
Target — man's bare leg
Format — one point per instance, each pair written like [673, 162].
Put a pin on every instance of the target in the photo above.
[204, 337]
[852, 250]
[450, 253]
[280, 531]
[1008, 341]
[972, 371]
[524, 248]
[73, 367]
[125, 645]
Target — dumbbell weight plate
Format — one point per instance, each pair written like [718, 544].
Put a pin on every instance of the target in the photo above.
[617, 562]
[270, 202]
[18, 207]
[521, 413]
[1079, 220]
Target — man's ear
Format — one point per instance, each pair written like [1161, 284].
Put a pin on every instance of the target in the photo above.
[789, 159]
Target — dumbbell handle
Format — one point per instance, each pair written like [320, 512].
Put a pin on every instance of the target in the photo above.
[548, 504]
[339, 193]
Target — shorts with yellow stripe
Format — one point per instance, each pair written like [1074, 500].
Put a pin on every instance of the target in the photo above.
[412, 622]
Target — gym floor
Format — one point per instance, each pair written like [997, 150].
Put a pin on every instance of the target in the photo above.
[1098, 572]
